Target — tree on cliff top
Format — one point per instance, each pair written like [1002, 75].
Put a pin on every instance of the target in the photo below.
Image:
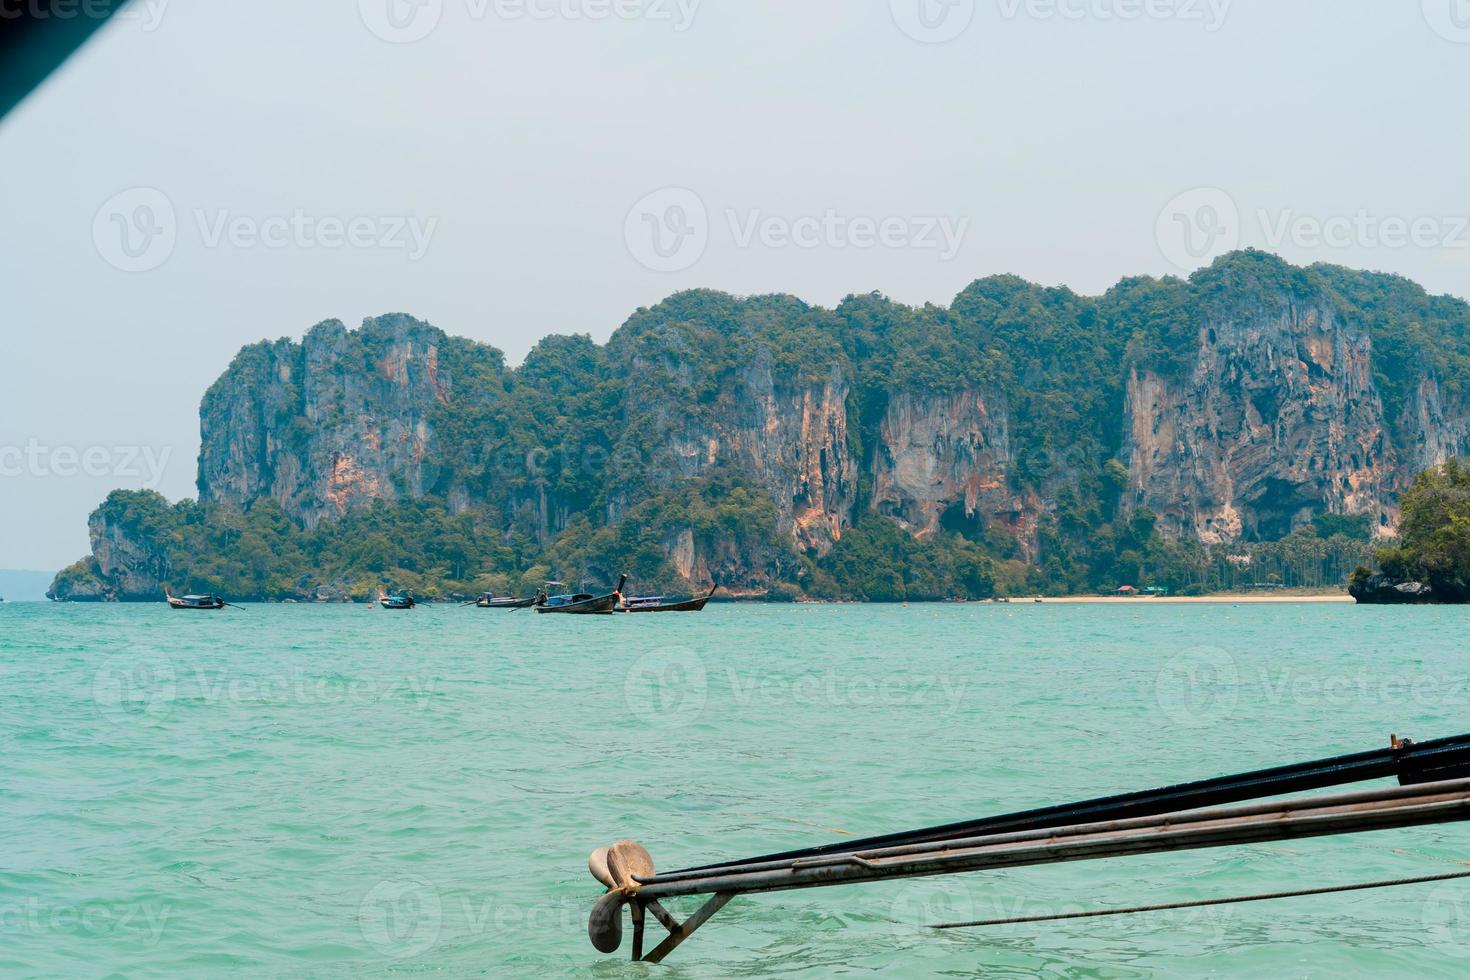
[1434, 532]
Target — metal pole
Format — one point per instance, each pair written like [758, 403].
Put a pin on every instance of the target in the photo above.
[1346, 813]
[1413, 763]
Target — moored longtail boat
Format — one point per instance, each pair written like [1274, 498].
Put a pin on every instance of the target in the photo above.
[195, 601]
[585, 602]
[1434, 788]
[397, 601]
[658, 603]
[488, 601]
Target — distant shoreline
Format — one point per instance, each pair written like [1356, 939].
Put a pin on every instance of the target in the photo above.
[1218, 597]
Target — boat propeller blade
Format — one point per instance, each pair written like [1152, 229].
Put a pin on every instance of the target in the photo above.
[628, 860]
[597, 864]
[605, 924]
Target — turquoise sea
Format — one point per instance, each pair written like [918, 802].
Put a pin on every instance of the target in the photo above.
[303, 791]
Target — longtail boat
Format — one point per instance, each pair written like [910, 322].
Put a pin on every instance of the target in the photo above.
[195, 601]
[488, 601]
[397, 602]
[585, 602]
[658, 603]
[1434, 788]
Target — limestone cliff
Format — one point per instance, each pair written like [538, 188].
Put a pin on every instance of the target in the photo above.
[941, 461]
[1279, 418]
[340, 420]
[740, 439]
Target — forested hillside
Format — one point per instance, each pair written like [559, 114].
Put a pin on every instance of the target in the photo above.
[1252, 424]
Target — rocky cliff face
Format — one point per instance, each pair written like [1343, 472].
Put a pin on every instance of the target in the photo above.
[1242, 404]
[1433, 428]
[942, 460]
[789, 438]
[340, 420]
[1277, 420]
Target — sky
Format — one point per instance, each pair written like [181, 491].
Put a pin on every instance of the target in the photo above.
[204, 175]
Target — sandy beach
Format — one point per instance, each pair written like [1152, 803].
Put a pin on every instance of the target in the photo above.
[1233, 598]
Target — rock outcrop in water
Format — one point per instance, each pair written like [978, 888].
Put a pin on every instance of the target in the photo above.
[742, 439]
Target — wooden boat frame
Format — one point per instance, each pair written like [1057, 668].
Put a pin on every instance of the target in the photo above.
[688, 605]
[488, 601]
[1433, 789]
[207, 602]
[587, 604]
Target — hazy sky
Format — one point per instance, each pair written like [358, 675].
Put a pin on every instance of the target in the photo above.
[203, 175]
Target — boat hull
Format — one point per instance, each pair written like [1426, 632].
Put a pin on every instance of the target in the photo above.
[210, 606]
[688, 605]
[596, 606]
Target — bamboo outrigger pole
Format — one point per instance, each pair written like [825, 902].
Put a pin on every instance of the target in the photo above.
[1434, 789]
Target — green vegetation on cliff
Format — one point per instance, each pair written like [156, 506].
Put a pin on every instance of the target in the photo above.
[743, 440]
[1434, 540]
